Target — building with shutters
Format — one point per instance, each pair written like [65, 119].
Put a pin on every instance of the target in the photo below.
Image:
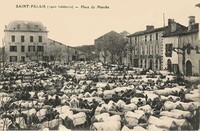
[25, 41]
[145, 48]
[181, 48]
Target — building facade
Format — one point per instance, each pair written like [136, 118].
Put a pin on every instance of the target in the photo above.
[145, 48]
[25, 41]
[181, 48]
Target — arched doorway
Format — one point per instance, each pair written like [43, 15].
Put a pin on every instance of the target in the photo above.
[169, 65]
[188, 68]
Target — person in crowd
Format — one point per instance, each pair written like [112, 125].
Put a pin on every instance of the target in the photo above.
[146, 98]
[139, 103]
[57, 101]
[157, 107]
[107, 87]
[115, 96]
[81, 103]
[46, 100]
[149, 102]
[93, 107]
[182, 95]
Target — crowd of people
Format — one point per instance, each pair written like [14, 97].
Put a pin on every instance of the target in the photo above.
[86, 95]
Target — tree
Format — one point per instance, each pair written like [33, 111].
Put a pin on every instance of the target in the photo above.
[56, 51]
[115, 45]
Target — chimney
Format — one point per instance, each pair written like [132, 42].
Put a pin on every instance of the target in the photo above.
[149, 27]
[192, 25]
[191, 20]
[170, 21]
[172, 25]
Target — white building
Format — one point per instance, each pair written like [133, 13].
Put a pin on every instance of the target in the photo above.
[25, 41]
[181, 48]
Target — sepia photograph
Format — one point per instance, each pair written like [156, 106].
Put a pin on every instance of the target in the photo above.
[99, 65]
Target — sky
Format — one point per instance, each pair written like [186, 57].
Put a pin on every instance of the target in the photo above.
[75, 27]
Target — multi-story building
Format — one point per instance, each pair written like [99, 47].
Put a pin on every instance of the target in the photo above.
[181, 48]
[145, 48]
[25, 40]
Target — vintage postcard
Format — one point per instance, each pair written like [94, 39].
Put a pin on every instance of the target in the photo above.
[104, 65]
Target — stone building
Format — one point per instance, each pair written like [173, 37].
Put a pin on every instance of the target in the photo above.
[145, 48]
[57, 51]
[25, 41]
[181, 48]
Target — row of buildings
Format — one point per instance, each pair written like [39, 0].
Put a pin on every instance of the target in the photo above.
[28, 41]
[174, 47]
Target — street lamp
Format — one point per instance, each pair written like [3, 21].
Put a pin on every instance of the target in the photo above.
[181, 50]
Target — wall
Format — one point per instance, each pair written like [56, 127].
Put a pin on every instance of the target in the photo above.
[194, 57]
[174, 59]
[142, 50]
[8, 43]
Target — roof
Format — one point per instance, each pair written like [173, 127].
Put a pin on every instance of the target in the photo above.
[25, 26]
[108, 34]
[148, 31]
[63, 45]
[54, 41]
[180, 31]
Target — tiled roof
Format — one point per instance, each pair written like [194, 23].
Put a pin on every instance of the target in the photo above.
[179, 30]
[30, 26]
[148, 31]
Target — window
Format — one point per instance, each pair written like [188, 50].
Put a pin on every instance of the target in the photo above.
[22, 48]
[135, 39]
[40, 38]
[18, 26]
[197, 48]
[145, 37]
[141, 63]
[31, 48]
[22, 58]
[168, 50]
[150, 37]
[22, 38]
[40, 48]
[189, 47]
[13, 38]
[13, 48]
[156, 36]
[31, 38]
[149, 50]
[156, 65]
[13, 58]
[157, 49]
